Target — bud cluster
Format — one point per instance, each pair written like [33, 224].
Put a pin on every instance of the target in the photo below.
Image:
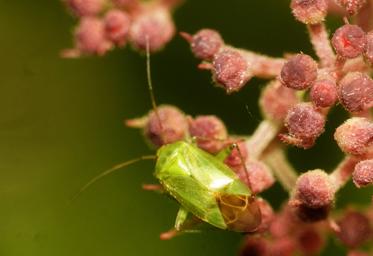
[105, 24]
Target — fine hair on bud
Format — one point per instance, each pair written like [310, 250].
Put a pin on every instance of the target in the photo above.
[349, 41]
[355, 229]
[299, 72]
[305, 124]
[230, 70]
[355, 136]
[165, 125]
[352, 6]
[210, 132]
[206, 43]
[324, 93]
[309, 11]
[363, 173]
[314, 189]
[355, 92]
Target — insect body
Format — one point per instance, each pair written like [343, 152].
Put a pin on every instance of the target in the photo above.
[205, 187]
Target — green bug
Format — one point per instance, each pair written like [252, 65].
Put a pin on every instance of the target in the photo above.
[206, 189]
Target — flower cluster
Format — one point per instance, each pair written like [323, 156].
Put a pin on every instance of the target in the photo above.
[105, 24]
[295, 106]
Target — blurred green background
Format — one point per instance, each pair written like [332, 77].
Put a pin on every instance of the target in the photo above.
[61, 123]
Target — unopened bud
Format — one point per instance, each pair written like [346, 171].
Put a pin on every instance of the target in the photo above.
[304, 125]
[355, 136]
[210, 133]
[324, 93]
[352, 6]
[314, 189]
[230, 70]
[117, 25]
[356, 92]
[363, 173]
[299, 72]
[309, 11]
[85, 7]
[153, 25]
[355, 229]
[349, 41]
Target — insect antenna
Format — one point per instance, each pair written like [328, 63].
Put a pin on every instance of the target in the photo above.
[234, 145]
[111, 170]
[150, 84]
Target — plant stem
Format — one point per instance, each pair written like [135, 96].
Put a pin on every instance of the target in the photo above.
[275, 157]
[321, 43]
[342, 173]
[261, 138]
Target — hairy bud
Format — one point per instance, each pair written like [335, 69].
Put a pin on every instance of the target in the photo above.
[167, 125]
[314, 189]
[355, 229]
[268, 215]
[255, 246]
[310, 241]
[230, 70]
[153, 24]
[309, 11]
[85, 7]
[304, 125]
[90, 37]
[352, 6]
[363, 173]
[284, 246]
[356, 92]
[210, 133]
[258, 177]
[117, 25]
[324, 93]
[299, 72]
[276, 100]
[349, 41]
[355, 136]
[206, 43]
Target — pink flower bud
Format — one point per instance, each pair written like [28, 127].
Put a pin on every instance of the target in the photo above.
[258, 177]
[310, 241]
[205, 43]
[255, 246]
[324, 93]
[85, 7]
[268, 215]
[308, 214]
[117, 25]
[284, 246]
[352, 6]
[210, 132]
[363, 173]
[349, 41]
[299, 72]
[90, 37]
[230, 70]
[355, 136]
[276, 100]
[314, 189]
[309, 11]
[356, 92]
[304, 125]
[355, 229]
[165, 126]
[154, 24]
